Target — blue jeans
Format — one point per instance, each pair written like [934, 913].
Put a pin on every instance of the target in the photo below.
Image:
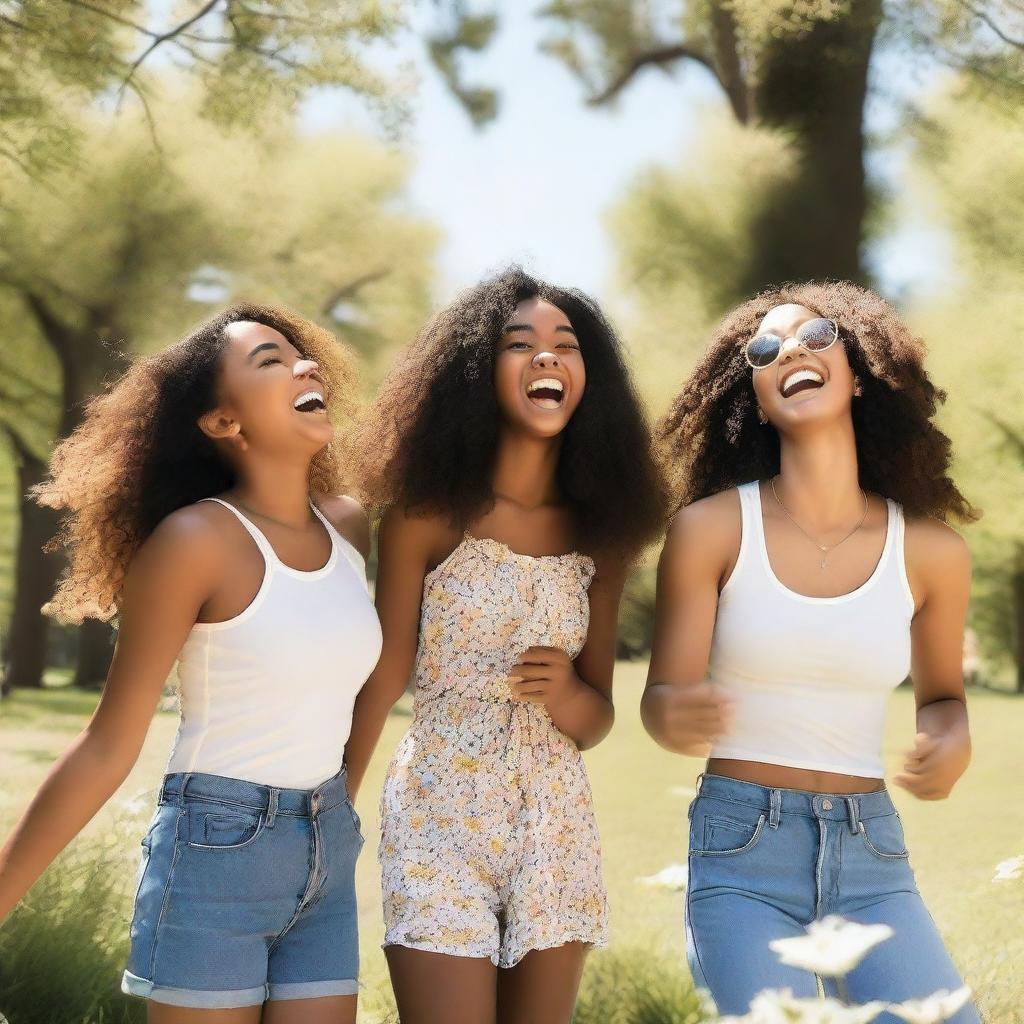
[246, 893]
[764, 863]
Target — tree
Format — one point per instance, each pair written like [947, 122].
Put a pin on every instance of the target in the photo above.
[249, 56]
[127, 250]
[970, 156]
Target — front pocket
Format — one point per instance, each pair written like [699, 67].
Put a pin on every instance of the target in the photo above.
[223, 830]
[725, 837]
[883, 837]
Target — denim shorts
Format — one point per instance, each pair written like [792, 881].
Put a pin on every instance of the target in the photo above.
[246, 893]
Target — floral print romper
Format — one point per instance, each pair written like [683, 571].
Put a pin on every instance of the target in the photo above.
[489, 846]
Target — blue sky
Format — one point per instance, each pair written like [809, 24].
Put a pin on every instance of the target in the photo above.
[534, 185]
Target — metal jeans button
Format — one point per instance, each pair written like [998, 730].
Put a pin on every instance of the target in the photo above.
[826, 805]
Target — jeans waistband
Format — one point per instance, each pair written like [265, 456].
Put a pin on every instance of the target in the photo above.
[180, 787]
[849, 807]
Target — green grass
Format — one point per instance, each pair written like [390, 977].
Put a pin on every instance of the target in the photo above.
[641, 799]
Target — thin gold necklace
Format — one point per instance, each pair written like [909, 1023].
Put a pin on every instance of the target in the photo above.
[270, 519]
[825, 549]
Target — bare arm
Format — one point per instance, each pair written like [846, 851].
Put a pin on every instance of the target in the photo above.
[404, 549]
[166, 586]
[681, 711]
[578, 695]
[939, 567]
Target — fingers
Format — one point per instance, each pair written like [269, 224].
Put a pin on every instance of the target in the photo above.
[540, 655]
[919, 786]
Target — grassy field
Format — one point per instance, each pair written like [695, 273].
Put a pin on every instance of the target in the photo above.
[642, 794]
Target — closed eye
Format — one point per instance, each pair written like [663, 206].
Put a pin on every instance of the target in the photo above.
[269, 362]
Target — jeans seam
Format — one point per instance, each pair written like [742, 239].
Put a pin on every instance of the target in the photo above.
[693, 931]
[165, 899]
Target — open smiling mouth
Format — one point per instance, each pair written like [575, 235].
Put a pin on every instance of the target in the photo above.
[547, 393]
[310, 401]
[801, 380]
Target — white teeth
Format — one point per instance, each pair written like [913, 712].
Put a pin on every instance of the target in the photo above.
[545, 382]
[307, 396]
[798, 377]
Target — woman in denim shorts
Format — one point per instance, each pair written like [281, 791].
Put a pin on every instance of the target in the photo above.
[808, 572]
[201, 505]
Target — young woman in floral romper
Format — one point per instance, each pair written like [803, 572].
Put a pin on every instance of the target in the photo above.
[513, 461]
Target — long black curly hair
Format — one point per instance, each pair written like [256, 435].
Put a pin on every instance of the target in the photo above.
[429, 443]
[711, 439]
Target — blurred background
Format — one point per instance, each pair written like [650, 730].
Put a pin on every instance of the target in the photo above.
[361, 161]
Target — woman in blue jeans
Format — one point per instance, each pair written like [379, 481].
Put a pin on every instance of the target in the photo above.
[808, 571]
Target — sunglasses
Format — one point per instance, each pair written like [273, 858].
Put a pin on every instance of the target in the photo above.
[814, 336]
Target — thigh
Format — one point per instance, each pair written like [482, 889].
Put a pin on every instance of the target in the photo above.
[542, 987]
[912, 964]
[436, 988]
[727, 937]
[162, 1013]
[325, 1010]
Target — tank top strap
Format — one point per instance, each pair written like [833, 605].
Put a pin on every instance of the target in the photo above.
[896, 544]
[340, 543]
[266, 548]
[751, 533]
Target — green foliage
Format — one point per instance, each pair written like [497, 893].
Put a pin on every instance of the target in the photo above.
[970, 159]
[633, 985]
[64, 947]
[251, 59]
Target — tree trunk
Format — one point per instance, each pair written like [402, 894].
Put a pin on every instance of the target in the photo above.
[34, 578]
[95, 650]
[814, 88]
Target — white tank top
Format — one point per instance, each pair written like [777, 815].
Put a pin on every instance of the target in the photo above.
[811, 676]
[267, 696]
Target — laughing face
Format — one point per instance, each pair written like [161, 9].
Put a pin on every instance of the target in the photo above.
[801, 387]
[539, 374]
[269, 393]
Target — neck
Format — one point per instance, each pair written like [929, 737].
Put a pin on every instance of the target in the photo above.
[276, 489]
[526, 469]
[818, 480]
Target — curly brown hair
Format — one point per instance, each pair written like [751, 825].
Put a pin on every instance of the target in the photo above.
[711, 439]
[430, 442]
[139, 453]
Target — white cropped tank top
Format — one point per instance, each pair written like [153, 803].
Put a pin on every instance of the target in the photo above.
[810, 676]
[267, 696]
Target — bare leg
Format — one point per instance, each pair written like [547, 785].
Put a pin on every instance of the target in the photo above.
[322, 1010]
[161, 1013]
[435, 988]
[542, 987]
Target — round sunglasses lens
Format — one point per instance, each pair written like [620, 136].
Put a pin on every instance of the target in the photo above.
[817, 335]
[762, 350]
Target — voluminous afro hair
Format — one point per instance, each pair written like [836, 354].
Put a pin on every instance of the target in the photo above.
[712, 440]
[139, 453]
[430, 442]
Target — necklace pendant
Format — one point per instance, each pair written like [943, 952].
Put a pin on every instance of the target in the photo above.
[824, 562]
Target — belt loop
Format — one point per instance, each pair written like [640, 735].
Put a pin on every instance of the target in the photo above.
[853, 811]
[699, 783]
[272, 807]
[776, 808]
[183, 792]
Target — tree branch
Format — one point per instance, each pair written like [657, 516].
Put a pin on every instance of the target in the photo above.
[350, 288]
[658, 57]
[727, 60]
[988, 20]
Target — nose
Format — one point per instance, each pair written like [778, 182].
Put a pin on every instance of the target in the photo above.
[305, 367]
[544, 359]
[790, 347]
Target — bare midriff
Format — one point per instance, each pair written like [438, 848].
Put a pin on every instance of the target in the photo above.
[777, 776]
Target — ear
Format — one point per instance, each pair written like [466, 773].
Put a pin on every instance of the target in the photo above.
[219, 426]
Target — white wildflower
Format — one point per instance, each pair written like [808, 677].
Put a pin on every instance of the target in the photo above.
[832, 947]
[939, 1006]
[782, 1007]
[673, 877]
[1009, 870]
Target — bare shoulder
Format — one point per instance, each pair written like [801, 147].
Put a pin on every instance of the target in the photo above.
[934, 550]
[348, 517]
[188, 542]
[709, 529]
[430, 537]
